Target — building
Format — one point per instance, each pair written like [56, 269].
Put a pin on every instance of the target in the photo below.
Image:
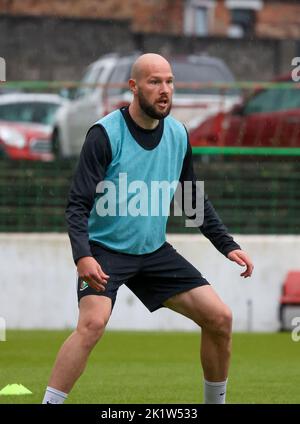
[225, 18]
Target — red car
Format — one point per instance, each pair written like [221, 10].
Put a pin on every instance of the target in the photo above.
[270, 117]
[26, 125]
[25, 141]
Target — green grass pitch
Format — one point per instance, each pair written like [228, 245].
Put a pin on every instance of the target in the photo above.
[154, 367]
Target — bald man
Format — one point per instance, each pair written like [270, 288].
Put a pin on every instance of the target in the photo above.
[114, 242]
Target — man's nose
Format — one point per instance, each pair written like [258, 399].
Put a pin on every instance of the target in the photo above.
[165, 87]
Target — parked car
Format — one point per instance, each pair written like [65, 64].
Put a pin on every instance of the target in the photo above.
[26, 121]
[269, 117]
[190, 105]
[86, 107]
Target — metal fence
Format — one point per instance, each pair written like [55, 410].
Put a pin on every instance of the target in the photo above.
[254, 188]
[252, 194]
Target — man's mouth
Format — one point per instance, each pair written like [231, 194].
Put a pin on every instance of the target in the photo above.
[163, 102]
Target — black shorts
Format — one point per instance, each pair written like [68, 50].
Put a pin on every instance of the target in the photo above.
[152, 277]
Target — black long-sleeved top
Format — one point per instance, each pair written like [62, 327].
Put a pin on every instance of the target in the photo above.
[94, 159]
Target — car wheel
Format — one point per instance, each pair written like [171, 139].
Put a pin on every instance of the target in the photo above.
[56, 145]
[3, 154]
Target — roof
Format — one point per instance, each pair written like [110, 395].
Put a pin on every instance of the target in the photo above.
[31, 97]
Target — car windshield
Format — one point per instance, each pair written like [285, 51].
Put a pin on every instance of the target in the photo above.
[36, 112]
[201, 73]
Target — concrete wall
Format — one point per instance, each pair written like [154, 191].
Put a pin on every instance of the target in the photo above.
[64, 47]
[38, 278]
[58, 49]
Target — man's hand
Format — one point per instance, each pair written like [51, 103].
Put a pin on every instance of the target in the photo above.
[241, 258]
[91, 272]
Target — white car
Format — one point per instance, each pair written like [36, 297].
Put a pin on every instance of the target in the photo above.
[191, 105]
[87, 106]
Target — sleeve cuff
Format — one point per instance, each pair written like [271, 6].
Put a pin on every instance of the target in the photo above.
[230, 248]
[81, 256]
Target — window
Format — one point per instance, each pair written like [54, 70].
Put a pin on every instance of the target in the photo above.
[243, 17]
[197, 17]
[91, 77]
[201, 27]
[201, 73]
[243, 20]
[273, 100]
[120, 75]
[290, 99]
[38, 112]
[265, 102]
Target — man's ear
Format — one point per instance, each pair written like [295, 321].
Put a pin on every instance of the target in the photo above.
[132, 85]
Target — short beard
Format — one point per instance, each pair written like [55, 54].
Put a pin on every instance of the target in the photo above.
[150, 110]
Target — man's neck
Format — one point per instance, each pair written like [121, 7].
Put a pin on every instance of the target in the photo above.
[141, 118]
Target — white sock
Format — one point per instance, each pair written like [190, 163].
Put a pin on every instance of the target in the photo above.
[214, 392]
[54, 396]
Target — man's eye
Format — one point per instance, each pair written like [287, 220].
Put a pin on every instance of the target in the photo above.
[153, 82]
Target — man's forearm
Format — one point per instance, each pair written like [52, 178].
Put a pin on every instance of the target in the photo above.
[77, 221]
[94, 159]
[214, 229]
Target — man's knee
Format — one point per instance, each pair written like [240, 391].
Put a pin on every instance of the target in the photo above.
[219, 323]
[223, 322]
[91, 330]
